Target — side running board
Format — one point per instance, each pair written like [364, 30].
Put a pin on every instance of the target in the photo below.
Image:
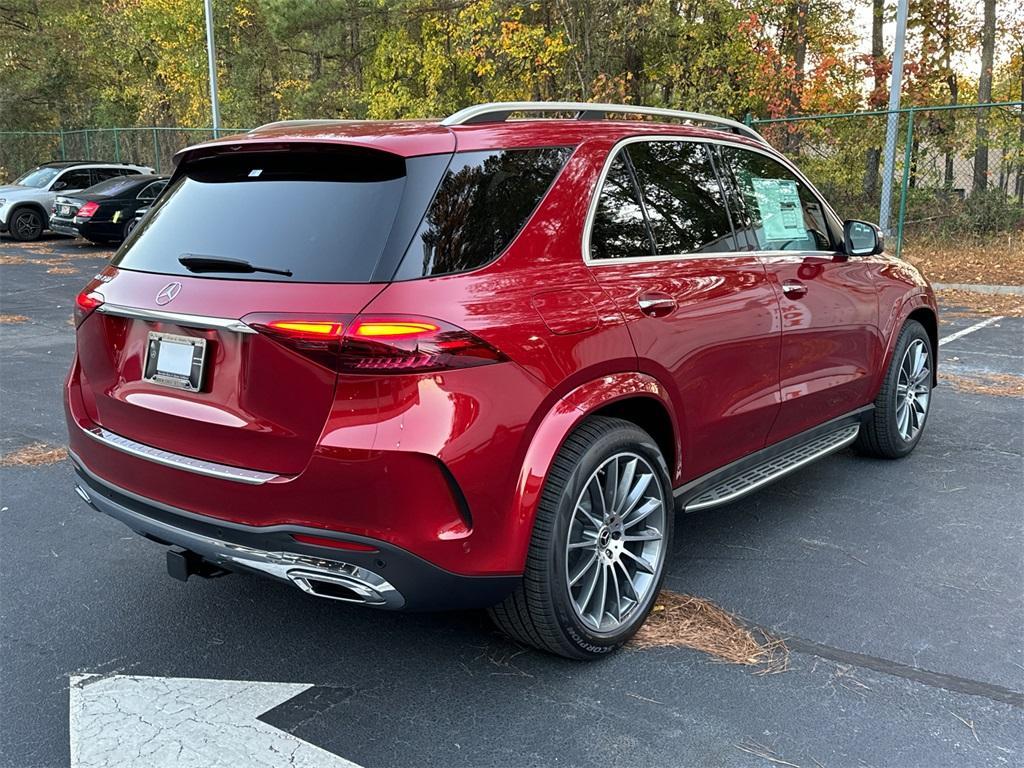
[750, 479]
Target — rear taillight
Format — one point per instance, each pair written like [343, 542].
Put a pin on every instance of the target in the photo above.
[386, 344]
[87, 210]
[85, 303]
[377, 344]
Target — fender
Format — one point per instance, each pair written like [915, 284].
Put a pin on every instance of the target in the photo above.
[892, 325]
[559, 422]
[39, 207]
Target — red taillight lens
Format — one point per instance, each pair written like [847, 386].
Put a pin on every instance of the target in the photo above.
[87, 210]
[375, 344]
[411, 345]
[85, 303]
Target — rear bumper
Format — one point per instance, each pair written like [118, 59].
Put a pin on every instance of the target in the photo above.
[63, 226]
[387, 577]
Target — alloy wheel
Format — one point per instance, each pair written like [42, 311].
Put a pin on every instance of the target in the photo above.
[913, 390]
[614, 550]
[26, 225]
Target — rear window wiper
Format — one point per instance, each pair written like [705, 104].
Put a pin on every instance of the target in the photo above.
[196, 263]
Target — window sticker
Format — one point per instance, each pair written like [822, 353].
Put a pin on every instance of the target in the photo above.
[781, 214]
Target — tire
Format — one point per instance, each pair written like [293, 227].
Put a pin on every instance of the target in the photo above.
[544, 610]
[892, 432]
[26, 224]
[129, 227]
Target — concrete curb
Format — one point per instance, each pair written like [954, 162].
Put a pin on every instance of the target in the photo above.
[1013, 290]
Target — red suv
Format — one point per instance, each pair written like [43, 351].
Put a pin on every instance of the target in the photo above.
[482, 361]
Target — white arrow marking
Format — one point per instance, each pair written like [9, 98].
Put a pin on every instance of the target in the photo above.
[126, 721]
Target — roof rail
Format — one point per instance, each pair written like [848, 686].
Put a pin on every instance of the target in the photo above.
[299, 123]
[500, 111]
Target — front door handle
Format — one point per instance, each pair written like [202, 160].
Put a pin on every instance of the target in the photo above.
[656, 304]
[793, 289]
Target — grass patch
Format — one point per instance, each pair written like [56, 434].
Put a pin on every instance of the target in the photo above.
[34, 455]
[693, 622]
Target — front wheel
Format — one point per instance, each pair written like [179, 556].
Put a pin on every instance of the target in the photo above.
[901, 408]
[600, 540]
[26, 224]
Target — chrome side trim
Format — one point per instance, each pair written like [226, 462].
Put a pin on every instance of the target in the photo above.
[189, 321]
[499, 111]
[751, 479]
[177, 461]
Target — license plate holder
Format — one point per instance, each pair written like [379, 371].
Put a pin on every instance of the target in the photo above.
[175, 361]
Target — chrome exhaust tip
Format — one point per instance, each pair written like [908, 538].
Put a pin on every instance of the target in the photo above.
[353, 585]
[84, 494]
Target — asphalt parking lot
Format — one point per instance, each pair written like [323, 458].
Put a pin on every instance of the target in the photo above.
[897, 586]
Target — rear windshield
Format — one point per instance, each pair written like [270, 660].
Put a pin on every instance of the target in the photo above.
[321, 215]
[112, 187]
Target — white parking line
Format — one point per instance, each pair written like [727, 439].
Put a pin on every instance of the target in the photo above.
[969, 329]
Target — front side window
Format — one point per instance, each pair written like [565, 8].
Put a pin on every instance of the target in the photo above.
[784, 215]
[682, 197]
[482, 203]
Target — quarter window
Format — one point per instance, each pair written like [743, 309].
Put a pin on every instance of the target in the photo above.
[482, 203]
[784, 215]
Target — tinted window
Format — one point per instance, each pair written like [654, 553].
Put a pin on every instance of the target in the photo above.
[113, 187]
[683, 199]
[324, 215]
[481, 204]
[784, 215]
[150, 191]
[74, 180]
[619, 230]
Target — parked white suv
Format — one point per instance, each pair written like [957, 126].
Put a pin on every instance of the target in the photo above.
[25, 205]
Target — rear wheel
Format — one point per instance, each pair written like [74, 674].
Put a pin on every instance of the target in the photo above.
[26, 224]
[901, 408]
[600, 539]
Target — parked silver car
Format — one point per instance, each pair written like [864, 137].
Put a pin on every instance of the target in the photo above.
[25, 205]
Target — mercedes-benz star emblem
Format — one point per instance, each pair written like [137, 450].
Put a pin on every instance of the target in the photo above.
[168, 292]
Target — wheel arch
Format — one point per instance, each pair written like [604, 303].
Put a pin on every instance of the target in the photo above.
[922, 308]
[34, 204]
[632, 396]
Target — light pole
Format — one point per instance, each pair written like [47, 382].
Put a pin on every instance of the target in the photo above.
[892, 124]
[211, 57]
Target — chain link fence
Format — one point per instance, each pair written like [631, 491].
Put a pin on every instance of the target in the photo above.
[943, 187]
[153, 147]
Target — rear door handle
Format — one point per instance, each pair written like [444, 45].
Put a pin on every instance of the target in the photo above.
[656, 304]
[793, 289]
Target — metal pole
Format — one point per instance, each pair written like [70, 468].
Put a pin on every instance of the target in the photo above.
[211, 56]
[908, 159]
[117, 146]
[156, 151]
[63, 147]
[895, 84]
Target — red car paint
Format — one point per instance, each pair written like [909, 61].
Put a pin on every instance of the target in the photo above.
[449, 465]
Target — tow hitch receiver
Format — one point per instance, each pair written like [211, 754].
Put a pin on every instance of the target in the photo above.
[182, 563]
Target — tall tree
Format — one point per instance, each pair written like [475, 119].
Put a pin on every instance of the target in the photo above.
[879, 71]
[988, 45]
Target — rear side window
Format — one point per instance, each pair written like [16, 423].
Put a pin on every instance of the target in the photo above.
[682, 197]
[323, 215]
[619, 230]
[482, 203]
[784, 215]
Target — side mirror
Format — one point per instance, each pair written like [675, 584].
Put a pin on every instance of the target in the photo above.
[59, 185]
[861, 238]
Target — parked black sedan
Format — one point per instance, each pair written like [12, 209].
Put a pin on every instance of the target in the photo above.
[104, 212]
